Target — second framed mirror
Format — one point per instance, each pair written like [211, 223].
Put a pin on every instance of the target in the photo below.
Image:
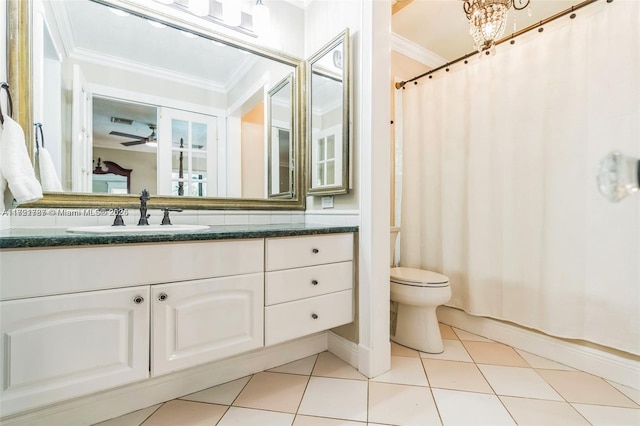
[328, 74]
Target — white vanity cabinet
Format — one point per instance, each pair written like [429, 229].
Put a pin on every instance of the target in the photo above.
[308, 285]
[201, 321]
[78, 320]
[58, 347]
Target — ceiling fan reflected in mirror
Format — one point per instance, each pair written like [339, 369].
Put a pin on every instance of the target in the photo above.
[150, 140]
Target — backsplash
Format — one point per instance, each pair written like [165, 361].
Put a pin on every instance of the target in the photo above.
[61, 218]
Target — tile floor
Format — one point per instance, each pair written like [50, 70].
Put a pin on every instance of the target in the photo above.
[474, 382]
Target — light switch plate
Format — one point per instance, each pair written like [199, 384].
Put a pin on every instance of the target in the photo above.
[327, 202]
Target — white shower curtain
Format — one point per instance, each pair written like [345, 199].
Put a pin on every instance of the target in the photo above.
[499, 190]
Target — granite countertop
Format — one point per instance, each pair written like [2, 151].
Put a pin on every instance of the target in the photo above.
[15, 238]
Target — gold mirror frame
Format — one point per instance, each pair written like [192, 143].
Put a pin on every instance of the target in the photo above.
[342, 38]
[19, 46]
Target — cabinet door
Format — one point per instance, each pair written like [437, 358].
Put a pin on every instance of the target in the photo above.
[58, 347]
[195, 322]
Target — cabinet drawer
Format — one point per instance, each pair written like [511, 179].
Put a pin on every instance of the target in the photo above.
[135, 265]
[296, 252]
[295, 319]
[293, 284]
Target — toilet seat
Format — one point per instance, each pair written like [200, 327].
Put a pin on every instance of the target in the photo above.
[417, 277]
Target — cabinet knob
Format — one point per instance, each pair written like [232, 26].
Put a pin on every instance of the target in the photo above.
[314, 282]
[315, 251]
[162, 297]
[314, 316]
[138, 300]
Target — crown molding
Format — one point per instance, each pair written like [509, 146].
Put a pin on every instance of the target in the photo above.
[416, 52]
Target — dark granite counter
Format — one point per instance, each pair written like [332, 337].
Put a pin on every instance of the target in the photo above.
[15, 238]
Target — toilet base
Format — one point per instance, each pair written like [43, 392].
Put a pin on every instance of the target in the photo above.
[417, 328]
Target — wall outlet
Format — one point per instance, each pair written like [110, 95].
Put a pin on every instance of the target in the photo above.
[327, 202]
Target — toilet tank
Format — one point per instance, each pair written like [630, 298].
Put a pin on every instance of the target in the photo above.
[392, 244]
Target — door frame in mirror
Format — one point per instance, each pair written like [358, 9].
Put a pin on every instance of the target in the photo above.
[292, 131]
[343, 188]
[19, 47]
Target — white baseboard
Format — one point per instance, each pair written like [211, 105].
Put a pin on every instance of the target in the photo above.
[591, 360]
[344, 349]
[112, 403]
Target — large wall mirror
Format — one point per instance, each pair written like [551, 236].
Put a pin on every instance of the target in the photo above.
[183, 107]
[328, 118]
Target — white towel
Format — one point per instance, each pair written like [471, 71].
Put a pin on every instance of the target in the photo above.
[15, 168]
[46, 171]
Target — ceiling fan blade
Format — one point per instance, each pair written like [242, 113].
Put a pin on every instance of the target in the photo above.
[131, 143]
[125, 135]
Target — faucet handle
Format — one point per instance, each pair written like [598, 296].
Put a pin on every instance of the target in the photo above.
[118, 221]
[165, 218]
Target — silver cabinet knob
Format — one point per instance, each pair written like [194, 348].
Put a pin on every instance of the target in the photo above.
[314, 316]
[162, 297]
[138, 300]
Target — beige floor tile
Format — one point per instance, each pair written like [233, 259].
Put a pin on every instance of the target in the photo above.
[335, 398]
[223, 394]
[399, 350]
[494, 353]
[238, 416]
[446, 332]
[580, 387]
[453, 351]
[539, 362]
[536, 412]
[599, 415]
[190, 413]
[470, 408]
[323, 421]
[634, 394]
[406, 371]
[329, 365]
[518, 381]
[402, 405]
[132, 419]
[303, 366]
[273, 391]
[455, 375]
[465, 335]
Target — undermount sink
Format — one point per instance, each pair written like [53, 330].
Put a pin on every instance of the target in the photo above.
[108, 229]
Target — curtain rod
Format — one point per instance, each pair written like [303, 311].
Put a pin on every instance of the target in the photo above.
[401, 84]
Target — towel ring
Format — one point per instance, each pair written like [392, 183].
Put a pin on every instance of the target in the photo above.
[5, 86]
[39, 130]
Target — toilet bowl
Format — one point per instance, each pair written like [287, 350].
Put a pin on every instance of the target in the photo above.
[418, 293]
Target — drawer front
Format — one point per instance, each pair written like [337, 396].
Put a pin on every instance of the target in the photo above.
[293, 284]
[297, 252]
[161, 263]
[290, 320]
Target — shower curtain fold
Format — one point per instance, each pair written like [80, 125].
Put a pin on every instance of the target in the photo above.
[499, 193]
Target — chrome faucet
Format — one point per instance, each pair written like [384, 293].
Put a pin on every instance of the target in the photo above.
[144, 217]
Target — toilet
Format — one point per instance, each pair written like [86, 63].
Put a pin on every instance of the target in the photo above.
[418, 293]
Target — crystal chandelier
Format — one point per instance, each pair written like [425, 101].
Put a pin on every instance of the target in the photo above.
[488, 19]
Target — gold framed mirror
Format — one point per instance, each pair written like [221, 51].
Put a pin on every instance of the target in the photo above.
[121, 103]
[328, 80]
